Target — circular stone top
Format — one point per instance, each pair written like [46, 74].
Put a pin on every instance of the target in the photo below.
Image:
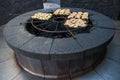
[30, 45]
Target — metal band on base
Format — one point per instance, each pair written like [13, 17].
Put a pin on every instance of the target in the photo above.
[56, 76]
[67, 75]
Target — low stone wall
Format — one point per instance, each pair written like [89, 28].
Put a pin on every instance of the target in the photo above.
[110, 8]
[11, 8]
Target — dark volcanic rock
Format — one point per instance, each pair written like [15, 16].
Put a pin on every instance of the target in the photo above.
[11, 8]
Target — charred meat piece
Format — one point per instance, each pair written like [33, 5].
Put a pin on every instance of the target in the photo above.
[85, 15]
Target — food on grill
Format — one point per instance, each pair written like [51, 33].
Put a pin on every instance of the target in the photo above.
[67, 11]
[62, 12]
[72, 15]
[77, 19]
[42, 16]
[85, 15]
[57, 11]
[75, 23]
[79, 15]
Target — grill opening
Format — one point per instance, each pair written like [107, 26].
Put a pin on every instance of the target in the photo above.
[54, 27]
[59, 19]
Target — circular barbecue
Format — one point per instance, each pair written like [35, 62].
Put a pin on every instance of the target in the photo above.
[51, 49]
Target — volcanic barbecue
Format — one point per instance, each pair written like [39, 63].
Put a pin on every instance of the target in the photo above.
[59, 43]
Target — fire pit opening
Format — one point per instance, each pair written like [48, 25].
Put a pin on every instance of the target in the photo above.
[59, 19]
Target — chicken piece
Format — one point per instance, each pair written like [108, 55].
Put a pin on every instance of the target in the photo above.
[70, 23]
[62, 11]
[73, 20]
[82, 23]
[77, 23]
[72, 15]
[79, 15]
[42, 16]
[67, 22]
[57, 11]
[85, 15]
[67, 12]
